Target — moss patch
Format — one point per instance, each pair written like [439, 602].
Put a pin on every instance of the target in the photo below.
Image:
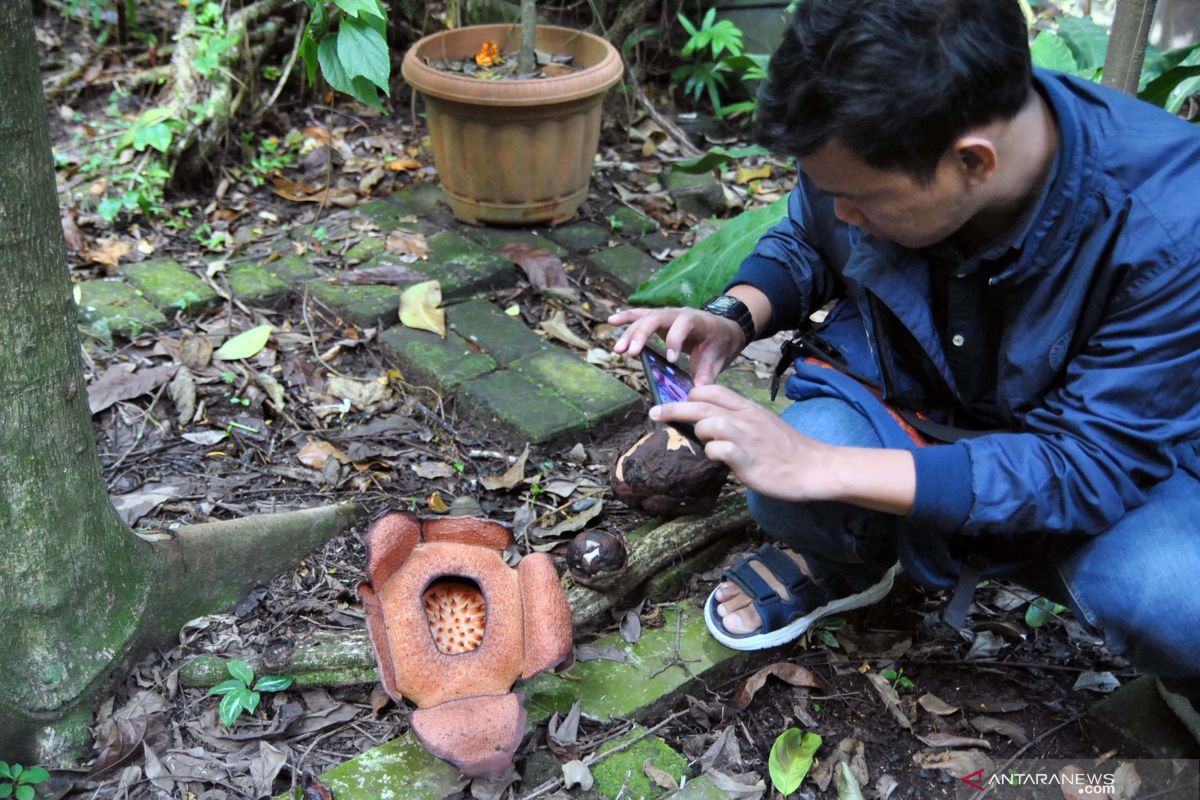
[581, 385]
[624, 773]
[110, 308]
[168, 286]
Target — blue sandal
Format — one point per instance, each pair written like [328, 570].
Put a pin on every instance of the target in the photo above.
[785, 618]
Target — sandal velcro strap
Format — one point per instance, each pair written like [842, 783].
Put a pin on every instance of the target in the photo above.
[773, 610]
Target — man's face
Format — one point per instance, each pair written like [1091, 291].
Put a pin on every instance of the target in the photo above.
[890, 204]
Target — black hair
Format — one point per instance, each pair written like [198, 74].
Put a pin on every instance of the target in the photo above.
[894, 81]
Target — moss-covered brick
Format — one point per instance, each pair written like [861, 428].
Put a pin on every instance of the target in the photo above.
[747, 384]
[502, 337]
[627, 222]
[627, 266]
[432, 360]
[624, 773]
[700, 195]
[365, 306]
[421, 201]
[464, 267]
[494, 239]
[585, 387]
[331, 228]
[254, 283]
[169, 287]
[365, 248]
[519, 409]
[110, 308]
[580, 237]
[387, 215]
[398, 770]
[292, 269]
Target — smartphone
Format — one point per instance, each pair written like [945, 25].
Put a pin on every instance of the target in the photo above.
[669, 383]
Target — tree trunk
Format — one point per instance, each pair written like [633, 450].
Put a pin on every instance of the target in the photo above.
[81, 596]
[1127, 44]
[526, 58]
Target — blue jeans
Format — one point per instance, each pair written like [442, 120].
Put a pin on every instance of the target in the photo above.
[1138, 582]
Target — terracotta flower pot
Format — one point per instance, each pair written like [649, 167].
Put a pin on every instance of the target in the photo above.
[513, 151]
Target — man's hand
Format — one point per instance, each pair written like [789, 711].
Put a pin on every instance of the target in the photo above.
[711, 341]
[773, 458]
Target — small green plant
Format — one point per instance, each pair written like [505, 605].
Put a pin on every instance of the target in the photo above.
[269, 155]
[791, 758]
[17, 781]
[615, 222]
[354, 58]
[825, 630]
[897, 678]
[715, 47]
[1041, 611]
[238, 696]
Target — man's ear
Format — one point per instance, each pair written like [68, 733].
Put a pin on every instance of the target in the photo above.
[976, 156]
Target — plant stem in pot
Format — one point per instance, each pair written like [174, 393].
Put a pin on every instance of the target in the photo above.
[526, 59]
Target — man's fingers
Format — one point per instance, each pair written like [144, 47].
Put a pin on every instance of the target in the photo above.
[677, 336]
[719, 395]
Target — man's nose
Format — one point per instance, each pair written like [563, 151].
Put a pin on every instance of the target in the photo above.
[847, 212]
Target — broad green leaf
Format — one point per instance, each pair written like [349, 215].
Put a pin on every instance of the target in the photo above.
[230, 709]
[355, 7]
[1087, 39]
[703, 271]
[16, 771]
[331, 64]
[308, 52]
[6, 790]
[225, 687]
[1160, 89]
[237, 667]
[24, 792]
[1049, 51]
[847, 784]
[273, 683]
[791, 758]
[244, 345]
[1041, 611]
[248, 699]
[365, 92]
[157, 136]
[35, 775]
[4, 771]
[363, 52]
[109, 208]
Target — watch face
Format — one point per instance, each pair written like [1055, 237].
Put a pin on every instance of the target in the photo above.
[723, 304]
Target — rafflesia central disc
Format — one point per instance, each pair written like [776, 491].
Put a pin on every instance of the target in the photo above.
[455, 609]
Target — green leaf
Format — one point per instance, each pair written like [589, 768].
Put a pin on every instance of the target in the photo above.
[1041, 611]
[331, 65]
[791, 758]
[1160, 89]
[24, 792]
[230, 708]
[35, 775]
[244, 345]
[16, 770]
[363, 52]
[365, 92]
[703, 271]
[6, 790]
[354, 8]
[1049, 51]
[248, 699]
[237, 667]
[718, 156]
[157, 136]
[4, 771]
[1087, 39]
[225, 687]
[273, 683]
[687, 24]
[847, 784]
[308, 52]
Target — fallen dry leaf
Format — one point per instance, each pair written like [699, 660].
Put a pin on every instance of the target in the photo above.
[183, 394]
[792, 674]
[363, 395]
[891, 700]
[557, 327]
[71, 232]
[746, 174]
[543, 268]
[576, 522]
[950, 740]
[436, 504]
[660, 776]
[403, 164]
[1010, 730]
[421, 308]
[118, 384]
[957, 763]
[936, 705]
[300, 192]
[109, 252]
[511, 477]
[407, 244]
[316, 454]
[433, 469]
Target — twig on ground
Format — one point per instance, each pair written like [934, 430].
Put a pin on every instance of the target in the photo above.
[1036, 740]
[661, 120]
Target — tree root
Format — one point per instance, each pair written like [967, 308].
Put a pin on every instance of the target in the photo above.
[345, 658]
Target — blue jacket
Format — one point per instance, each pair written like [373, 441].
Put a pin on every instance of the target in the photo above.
[1098, 374]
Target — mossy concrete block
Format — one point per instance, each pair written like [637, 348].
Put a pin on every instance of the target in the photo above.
[579, 237]
[589, 389]
[365, 306]
[504, 338]
[465, 268]
[1137, 721]
[252, 282]
[494, 239]
[422, 200]
[624, 773]
[700, 195]
[291, 269]
[365, 248]
[627, 266]
[434, 361]
[387, 215]
[518, 409]
[110, 308]
[609, 689]
[397, 770]
[169, 287]
[747, 384]
[627, 222]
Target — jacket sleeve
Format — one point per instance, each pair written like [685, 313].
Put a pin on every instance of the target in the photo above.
[789, 263]
[1112, 430]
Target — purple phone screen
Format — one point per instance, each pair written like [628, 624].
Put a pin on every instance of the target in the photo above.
[671, 383]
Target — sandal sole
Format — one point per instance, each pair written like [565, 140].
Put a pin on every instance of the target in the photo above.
[797, 627]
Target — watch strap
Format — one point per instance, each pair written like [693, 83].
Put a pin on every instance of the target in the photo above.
[730, 307]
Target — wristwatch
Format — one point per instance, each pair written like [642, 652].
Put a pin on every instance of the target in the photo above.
[730, 307]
